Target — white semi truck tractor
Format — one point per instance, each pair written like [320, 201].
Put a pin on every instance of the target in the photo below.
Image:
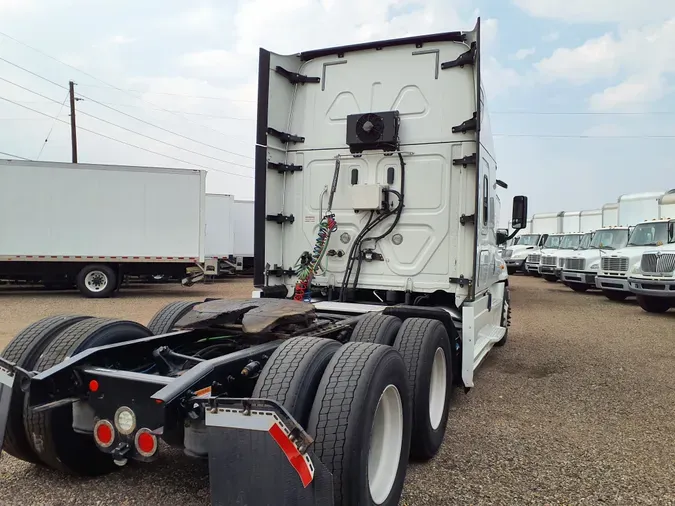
[378, 288]
[643, 211]
[652, 279]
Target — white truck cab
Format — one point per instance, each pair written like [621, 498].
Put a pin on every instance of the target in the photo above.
[581, 269]
[612, 277]
[550, 246]
[550, 265]
[515, 255]
[652, 279]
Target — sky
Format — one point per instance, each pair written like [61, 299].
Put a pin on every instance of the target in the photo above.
[580, 92]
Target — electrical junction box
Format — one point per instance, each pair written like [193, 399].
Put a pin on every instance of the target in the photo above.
[367, 197]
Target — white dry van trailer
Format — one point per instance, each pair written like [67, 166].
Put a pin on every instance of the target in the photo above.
[652, 279]
[219, 234]
[243, 234]
[590, 220]
[89, 226]
[342, 365]
[610, 215]
[648, 232]
[571, 222]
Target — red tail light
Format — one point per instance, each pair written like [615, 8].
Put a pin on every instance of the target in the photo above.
[146, 443]
[104, 433]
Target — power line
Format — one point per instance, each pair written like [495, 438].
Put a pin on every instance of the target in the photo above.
[127, 129]
[228, 99]
[563, 136]
[126, 114]
[104, 82]
[124, 142]
[583, 113]
[52, 127]
[167, 130]
[13, 156]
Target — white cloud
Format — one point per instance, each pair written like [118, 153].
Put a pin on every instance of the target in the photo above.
[551, 37]
[639, 57]
[521, 54]
[121, 39]
[595, 58]
[599, 11]
[633, 94]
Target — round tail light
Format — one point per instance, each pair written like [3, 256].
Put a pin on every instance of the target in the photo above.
[104, 433]
[146, 443]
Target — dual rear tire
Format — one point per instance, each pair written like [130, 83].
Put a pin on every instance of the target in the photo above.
[387, 391]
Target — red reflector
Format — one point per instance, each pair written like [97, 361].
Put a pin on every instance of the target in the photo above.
[104, 434]
[93, 386]
[146, 443]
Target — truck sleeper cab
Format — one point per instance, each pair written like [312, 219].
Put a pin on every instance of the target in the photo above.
[652, 279]
[581, 269]
[612, 277]
[377, 290]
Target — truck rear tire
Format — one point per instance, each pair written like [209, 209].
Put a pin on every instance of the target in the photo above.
[51, 434]
[292, 374]
[551, 278]
[165, 319]
[615, 295]
[24, 350]
[578, 287]
[376, 328]
[653, 304]
[425, 347]
[512, 270]
[361, 422]
[96, 281]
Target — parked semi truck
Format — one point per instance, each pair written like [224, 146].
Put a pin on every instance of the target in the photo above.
[580, 269]
[652, 279]
[641, 210]
[89, 226]
[551, 262]
[342, 365]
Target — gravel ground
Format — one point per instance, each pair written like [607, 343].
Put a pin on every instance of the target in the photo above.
[577, 408]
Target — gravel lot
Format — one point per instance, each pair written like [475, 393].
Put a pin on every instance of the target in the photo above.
[577, 408]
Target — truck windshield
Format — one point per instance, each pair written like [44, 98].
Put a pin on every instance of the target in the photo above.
[649, 234]
[570, 242]
[586, 241]
[553, 241]
[610, 239]
[528, 240]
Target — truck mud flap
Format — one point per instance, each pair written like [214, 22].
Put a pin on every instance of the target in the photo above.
[7, 378]
[259, 455]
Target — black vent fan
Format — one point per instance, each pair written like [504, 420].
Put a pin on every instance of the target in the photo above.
[373, 130]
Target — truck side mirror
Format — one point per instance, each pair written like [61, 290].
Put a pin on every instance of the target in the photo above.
[502, 236]
[542, 239]
[519, 212]
[671, 231]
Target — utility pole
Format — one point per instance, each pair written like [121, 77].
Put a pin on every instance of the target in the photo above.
[73, 128]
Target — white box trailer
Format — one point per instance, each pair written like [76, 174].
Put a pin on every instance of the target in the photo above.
[590, 220]
[667, 206]
[571, 222]
[243, 233]
[66, 224]
[638, 207]
[610, 215]
[547, 223]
